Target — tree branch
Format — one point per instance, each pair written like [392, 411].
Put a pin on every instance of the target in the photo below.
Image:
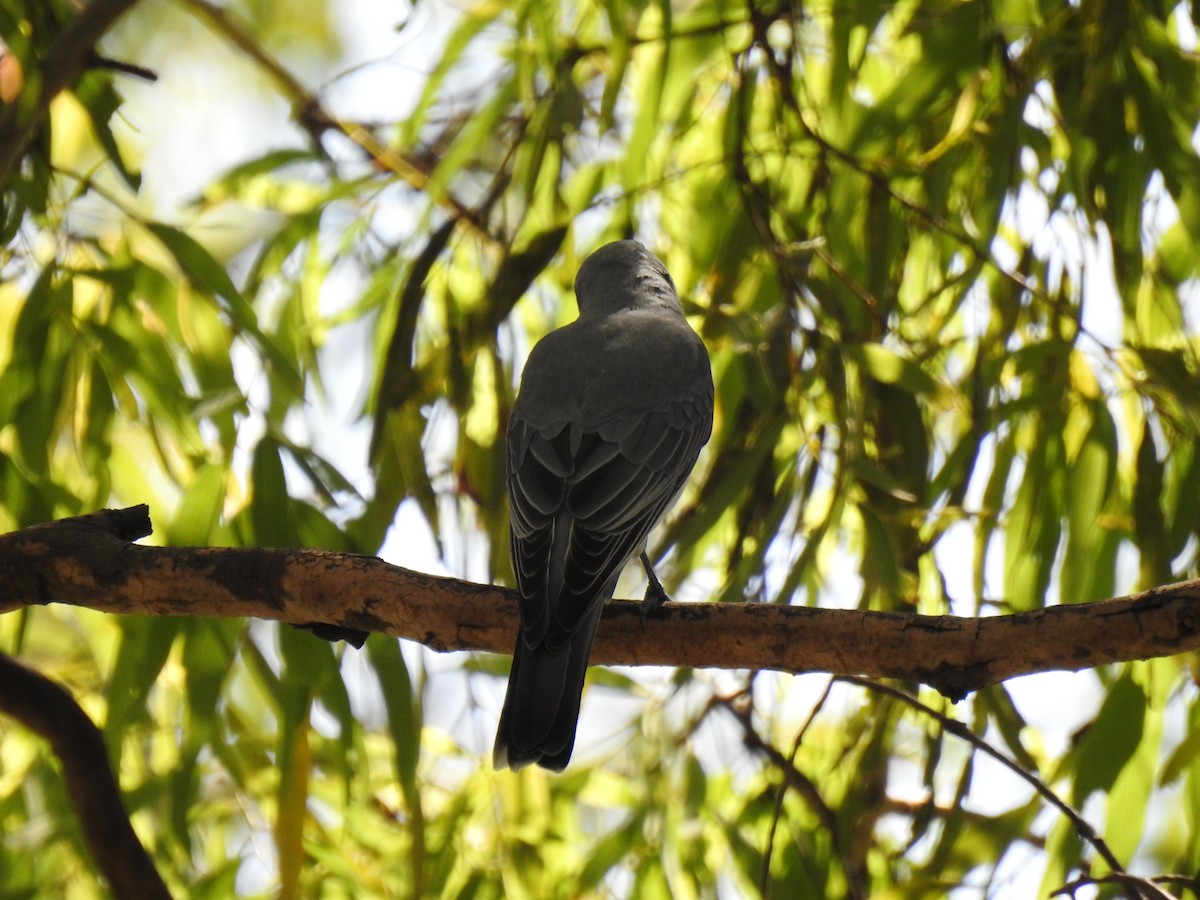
[74, 561]
[48, 710]
[69, 54]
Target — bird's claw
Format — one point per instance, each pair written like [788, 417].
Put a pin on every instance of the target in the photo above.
[656, 594]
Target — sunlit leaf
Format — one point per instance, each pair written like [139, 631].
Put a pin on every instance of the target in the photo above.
[199, 265]
[1111, 740]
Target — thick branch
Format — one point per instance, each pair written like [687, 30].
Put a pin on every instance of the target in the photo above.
[69, 54]
[74, 561]
[47, 709]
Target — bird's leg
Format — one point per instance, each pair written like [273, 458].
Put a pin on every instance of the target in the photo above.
[656, 594]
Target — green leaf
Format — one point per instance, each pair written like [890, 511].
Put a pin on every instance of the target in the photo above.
[1089, 558]
[1129, 798]
[1183, 758]
[1008, 719]
[201, 268]
[95, 91]
[618, 54]
[292, 796]
[1148, 519]
[1064, 847]
[195, 522]
[270, 507]
[514, 277]
[888, 367]
[1181, 496]
[402, 710]
[395, 374]
[880, 570]
[209, 648]
[1033, 531]
[308, 661]
[208, 653]
[1111, 740]
[269, 162]
[142, 651]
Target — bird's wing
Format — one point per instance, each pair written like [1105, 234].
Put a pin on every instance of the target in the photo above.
[583, 503]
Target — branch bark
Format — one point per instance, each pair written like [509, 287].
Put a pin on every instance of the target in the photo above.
[88, 561]
[68, 56]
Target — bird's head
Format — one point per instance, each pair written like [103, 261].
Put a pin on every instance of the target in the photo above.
[622, 275]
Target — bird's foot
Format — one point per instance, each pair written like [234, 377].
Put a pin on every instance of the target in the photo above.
[656, 594]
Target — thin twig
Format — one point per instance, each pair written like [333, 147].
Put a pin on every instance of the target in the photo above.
[316, 119]
[1144, 887]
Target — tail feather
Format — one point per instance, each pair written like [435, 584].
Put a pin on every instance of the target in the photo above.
[541, 708]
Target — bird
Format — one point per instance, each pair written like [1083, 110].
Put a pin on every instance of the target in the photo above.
[609, 420]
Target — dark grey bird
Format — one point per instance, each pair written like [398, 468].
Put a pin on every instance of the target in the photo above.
[610, 418]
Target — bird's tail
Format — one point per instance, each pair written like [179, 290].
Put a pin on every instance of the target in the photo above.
[541, 708]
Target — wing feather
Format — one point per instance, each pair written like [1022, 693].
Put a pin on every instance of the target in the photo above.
[620, 480]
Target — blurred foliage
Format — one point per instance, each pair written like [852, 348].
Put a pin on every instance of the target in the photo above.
[945, 256]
